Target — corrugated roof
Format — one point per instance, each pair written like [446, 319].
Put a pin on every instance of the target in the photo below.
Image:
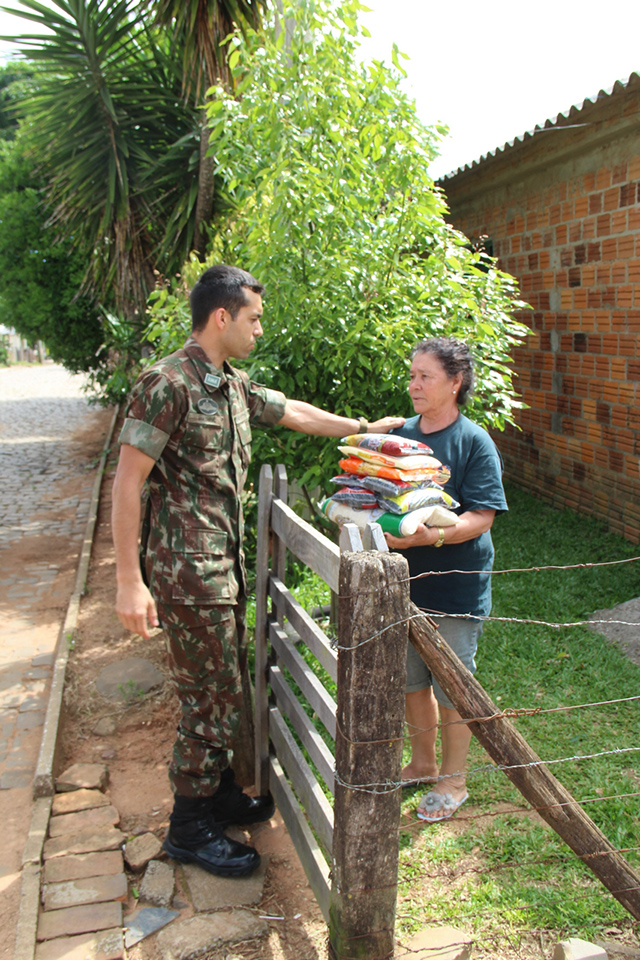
[572, 113]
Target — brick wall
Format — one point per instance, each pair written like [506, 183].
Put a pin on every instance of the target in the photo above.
[564, 218]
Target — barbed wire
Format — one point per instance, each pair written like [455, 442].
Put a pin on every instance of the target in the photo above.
[511, 713]
[555, 625]
[540, 623]
[388, 786]
[538, 569]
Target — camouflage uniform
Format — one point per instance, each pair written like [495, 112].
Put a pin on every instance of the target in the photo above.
[193, 420]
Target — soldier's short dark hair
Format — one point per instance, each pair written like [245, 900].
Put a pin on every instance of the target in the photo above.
[220, 286]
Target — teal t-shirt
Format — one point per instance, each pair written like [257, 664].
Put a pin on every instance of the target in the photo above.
[476, 483]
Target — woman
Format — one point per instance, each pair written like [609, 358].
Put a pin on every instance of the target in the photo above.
[440, 381]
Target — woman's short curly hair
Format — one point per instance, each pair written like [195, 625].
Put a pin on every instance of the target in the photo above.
[455, 357]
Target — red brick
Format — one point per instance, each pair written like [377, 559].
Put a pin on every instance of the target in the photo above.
[618, 272]
[625, 296]
[626, 247]
[603, 225]
[83, 865]
[581, 208]
[78, 800]
[73, 893]
[595, 203]
[594, 299]
[72, 920]
[611, 198]
[105, 945]
[619, 221]
[84, 841]
[95, 817]
[619, 172]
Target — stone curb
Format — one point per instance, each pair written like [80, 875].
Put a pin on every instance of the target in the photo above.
[43, 783]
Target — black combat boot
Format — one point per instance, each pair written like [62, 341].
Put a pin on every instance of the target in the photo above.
[230, 805]
[193, 837]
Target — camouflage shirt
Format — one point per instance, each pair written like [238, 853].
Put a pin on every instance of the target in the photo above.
[193, 420]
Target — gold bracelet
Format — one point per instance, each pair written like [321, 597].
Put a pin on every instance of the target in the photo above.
[363, 425]
[440, 539]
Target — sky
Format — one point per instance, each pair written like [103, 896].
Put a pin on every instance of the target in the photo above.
[491, 71]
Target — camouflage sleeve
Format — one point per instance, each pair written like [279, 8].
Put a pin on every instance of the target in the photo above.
[265, 406]
[154, 412]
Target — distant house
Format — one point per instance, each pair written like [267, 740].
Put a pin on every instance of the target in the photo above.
[17, 348]
[560, 208]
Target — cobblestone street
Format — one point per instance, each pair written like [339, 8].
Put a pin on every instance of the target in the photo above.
[50, 443]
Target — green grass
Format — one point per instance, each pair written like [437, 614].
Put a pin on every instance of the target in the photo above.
[532, 666]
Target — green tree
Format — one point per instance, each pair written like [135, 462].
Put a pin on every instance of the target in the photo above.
[113, 140]
[39, 275]
[38, 284]
[331, 204]
[200, 28]
[14, 76]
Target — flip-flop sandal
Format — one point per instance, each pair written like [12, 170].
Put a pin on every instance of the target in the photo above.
[438, 806]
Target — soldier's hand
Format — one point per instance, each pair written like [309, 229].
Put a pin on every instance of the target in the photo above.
[386, 424]
[136, 608]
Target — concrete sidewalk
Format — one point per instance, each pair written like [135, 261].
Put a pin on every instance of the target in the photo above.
[50, 444]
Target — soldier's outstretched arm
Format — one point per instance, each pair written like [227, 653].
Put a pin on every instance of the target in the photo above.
[305, 418]
[134, 604]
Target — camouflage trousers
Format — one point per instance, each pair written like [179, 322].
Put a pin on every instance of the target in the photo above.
[207, 653]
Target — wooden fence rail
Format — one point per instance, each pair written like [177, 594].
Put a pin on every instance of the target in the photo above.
[350, 851]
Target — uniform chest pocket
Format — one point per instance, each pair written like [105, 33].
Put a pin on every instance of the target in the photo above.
[203, 432]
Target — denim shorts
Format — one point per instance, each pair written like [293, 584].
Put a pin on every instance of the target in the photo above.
[462, 636]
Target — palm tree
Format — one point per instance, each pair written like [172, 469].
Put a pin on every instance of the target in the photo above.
[201, 26]
[111, 136]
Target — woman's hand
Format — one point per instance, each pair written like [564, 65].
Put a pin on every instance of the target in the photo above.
[423, 537]
[386, 424]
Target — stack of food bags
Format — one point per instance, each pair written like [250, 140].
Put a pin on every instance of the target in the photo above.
[393, 481]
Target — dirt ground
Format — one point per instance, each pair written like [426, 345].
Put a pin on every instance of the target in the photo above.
[138, 751]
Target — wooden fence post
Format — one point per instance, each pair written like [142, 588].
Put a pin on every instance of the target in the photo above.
[524, 768]
[261, 641]
[373, 597]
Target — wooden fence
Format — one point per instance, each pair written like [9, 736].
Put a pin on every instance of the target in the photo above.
[350, 851]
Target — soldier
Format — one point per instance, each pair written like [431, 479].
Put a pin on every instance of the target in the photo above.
[187, 435]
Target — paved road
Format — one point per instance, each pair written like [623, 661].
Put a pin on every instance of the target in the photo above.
[50, 441]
